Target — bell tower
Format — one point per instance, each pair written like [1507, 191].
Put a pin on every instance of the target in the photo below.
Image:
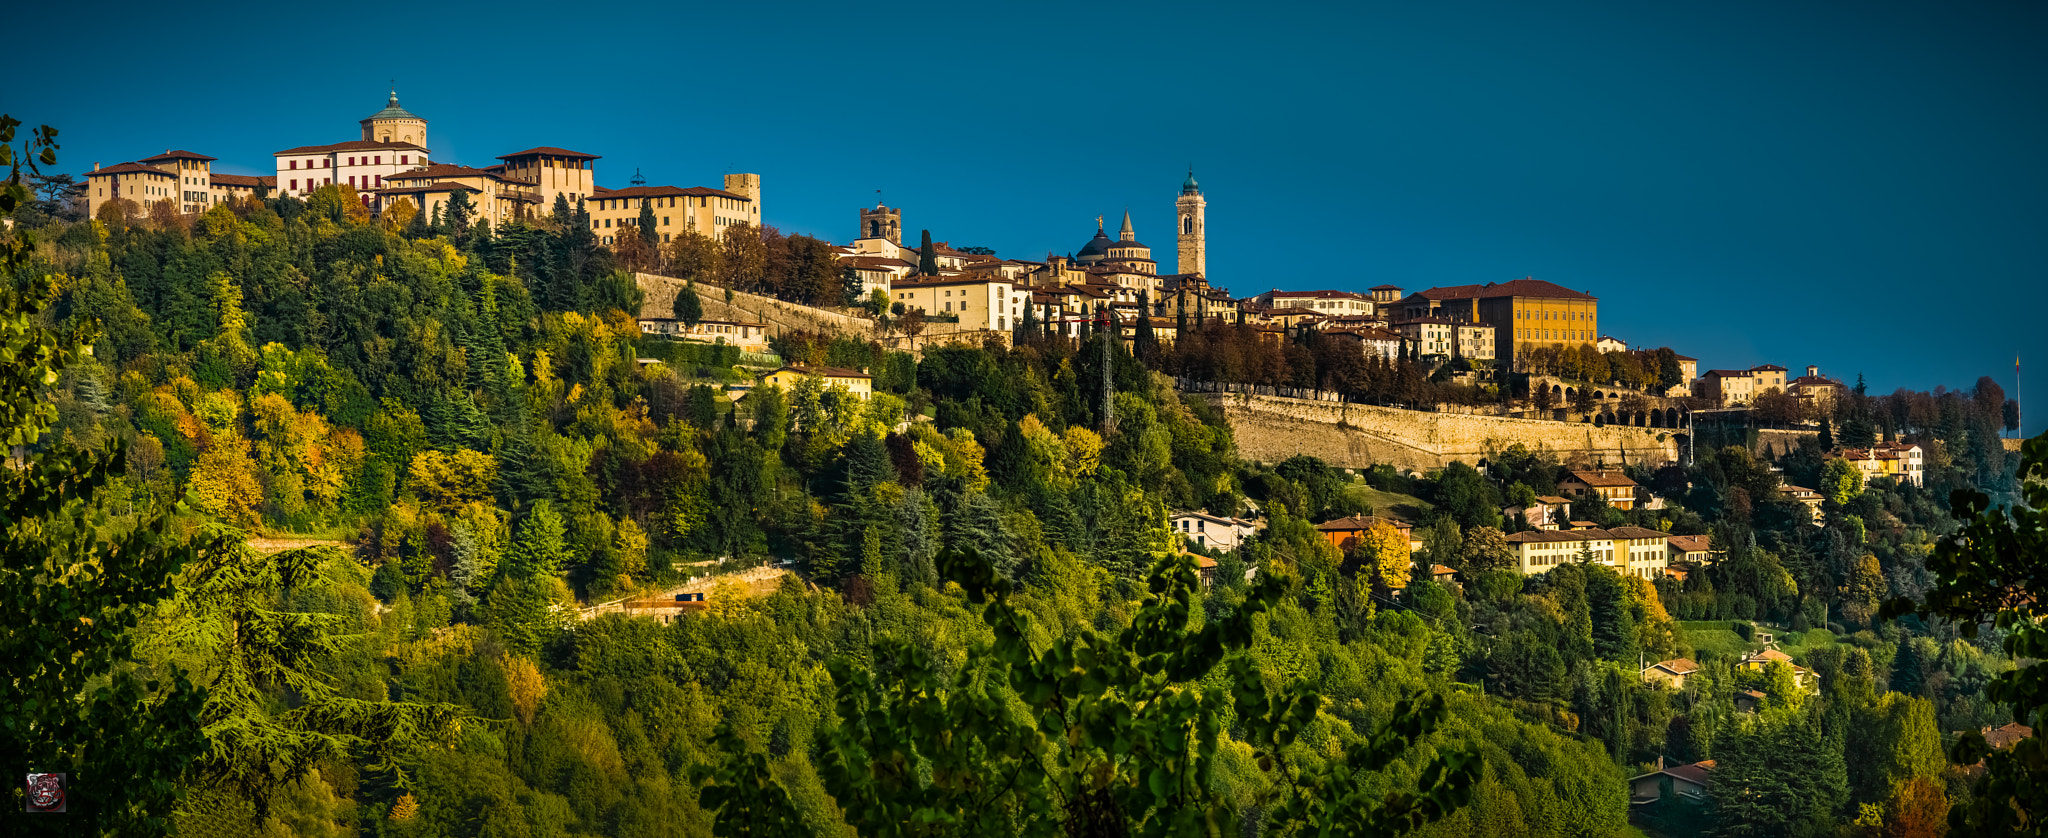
[881, 223]
[1190, 207]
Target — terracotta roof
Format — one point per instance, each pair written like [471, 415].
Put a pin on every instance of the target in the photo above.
[180, 154]
[1697, 772]
[668, 191]
[1679, 666]
[828, 372]
[1357, 523]
[351, 145]
[128, 168]
[439, 186]
[550, 151]
[1603, 478]
[1385, 288]
[1633, 532]
[2005, 737]
[878, 263]
[1770, 655]
[1683, 357]
[935, 281]
[1558, 536]
[1767, 368]
[1513, 288]
[243, 180]
[1690, 543]
[1319, 295]
[1726, 374]
[1553, 499]
[439, 171]
[1441, 570]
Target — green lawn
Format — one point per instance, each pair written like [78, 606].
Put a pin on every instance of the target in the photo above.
[1405, 507]
[1717, 637]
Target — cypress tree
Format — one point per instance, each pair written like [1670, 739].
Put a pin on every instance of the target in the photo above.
[689, 308]
[1144, 341]
[418, 228]
[1827, 434]
[927, 258]
[647, 233]
[563, 216]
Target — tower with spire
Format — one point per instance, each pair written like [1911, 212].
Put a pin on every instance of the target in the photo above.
[395, 124]
[1190, 208]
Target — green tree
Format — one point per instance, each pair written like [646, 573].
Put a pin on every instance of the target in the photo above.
[689, 308]
[1115, 741]
[648, 233]
[1989, 573]
[1780, 776]
[1466, 495]
[927, 258]
[538, 549]
[72, 590]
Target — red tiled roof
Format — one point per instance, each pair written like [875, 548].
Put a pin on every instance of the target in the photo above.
[1633, 532]
[1512, 288]
[448, 170]
[2005, 737]
[1679, 666]
[440, 186]
[128, 168]
[667, 192]
[550, 151]
[1357, 523]
[351, 145]
[179, 154]
[1385, 288]
[1609, 479]
[1690, 543]
[243, 180]
[828, 372]
[1319, 295]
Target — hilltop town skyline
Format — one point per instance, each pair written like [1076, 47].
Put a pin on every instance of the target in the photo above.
[1818, 199]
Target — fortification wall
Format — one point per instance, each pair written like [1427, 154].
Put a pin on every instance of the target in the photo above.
[1271, 429]
[784, 317]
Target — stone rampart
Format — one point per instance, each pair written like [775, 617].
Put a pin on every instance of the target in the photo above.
[1272, 428]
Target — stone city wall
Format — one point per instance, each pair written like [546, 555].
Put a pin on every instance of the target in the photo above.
[1270, 429]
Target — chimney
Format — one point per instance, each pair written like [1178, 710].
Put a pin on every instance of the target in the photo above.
[1660, 762]
[95, 165]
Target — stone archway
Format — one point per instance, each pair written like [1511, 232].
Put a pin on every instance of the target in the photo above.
[1656, 418]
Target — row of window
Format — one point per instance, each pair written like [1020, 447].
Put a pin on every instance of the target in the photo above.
[373, 160]
[627, 203]
[311, 183]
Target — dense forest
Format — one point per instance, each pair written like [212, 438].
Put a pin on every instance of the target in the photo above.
[462, 417]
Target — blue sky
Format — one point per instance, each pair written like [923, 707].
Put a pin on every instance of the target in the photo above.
[1858, 186]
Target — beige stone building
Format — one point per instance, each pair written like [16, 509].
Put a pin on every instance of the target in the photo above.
[136, 182]
[1525, 313]
[1323, 302]
[980, 302]
[496, 197]
[857, 382]
[1737, 387]
[1630, 551]
[1427, 337]
[1612, 486]
[393, 140]
[678, 209]
[552, 172]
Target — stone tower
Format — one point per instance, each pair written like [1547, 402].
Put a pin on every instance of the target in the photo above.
[1127, 234]
[394, 124]
[749, 187]
[1190, 207]
[881, 223]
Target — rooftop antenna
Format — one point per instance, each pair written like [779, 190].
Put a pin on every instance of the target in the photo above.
[637, 179]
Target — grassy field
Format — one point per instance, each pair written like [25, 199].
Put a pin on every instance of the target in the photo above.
[1405, 507]
[1717, 637]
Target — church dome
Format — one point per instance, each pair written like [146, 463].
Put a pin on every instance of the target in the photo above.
[1188, 185]
[392, 111]
[1096, 248]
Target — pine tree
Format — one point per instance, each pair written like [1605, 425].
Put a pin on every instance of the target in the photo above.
[646, 223]
[563, 216]
[537, 552]
[418, 228]
[1827, 434]
[689, 308]
[927, 258]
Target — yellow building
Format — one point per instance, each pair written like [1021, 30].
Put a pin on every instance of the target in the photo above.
[982, 301]
[136, 182]
[1612, 486]
[1525, 314]
[1631, 551]
[856, 382]
[553, 171]
[496, 197]
[677, 208]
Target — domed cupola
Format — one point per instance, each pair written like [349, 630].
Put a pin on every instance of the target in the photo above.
[1097, 248]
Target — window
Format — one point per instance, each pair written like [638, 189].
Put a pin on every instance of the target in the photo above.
[404, 158]
[351, 161]
[664, 221]
[291, 164]
[380, 181]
